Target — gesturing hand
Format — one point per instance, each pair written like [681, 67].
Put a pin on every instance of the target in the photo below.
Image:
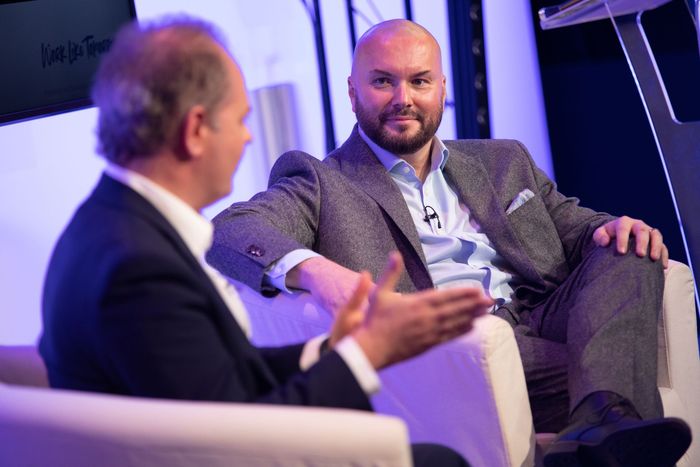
[397, 327]
[646, 238]
[352, 314]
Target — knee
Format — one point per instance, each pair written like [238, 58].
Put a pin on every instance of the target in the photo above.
[629, 277]
[629, 265]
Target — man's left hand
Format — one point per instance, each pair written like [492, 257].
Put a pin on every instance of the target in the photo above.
[646, 238]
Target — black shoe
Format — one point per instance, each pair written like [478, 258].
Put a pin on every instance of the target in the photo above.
[614, 435]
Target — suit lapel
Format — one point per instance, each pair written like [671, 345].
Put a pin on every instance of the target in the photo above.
[472, 183]
[120, 196]
[360, 165]
[469, 178]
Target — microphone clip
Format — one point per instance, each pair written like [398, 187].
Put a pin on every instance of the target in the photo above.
[429, 216]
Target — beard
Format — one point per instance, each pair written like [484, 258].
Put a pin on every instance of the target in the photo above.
[374, 127]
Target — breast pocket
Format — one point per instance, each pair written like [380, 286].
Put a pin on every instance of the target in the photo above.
[538, 235]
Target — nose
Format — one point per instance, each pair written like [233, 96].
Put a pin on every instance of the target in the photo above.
[402, 95]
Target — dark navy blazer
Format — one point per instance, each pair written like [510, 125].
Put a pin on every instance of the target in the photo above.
[128, 309]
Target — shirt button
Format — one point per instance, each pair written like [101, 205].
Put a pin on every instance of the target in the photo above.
[255, 250]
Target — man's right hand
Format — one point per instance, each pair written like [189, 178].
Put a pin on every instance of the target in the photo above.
[329, 283]
[397, 327]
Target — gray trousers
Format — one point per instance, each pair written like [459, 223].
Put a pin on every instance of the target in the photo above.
[596, 332]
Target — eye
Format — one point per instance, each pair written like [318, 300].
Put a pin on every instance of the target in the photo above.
[420, 82]
[381, 81]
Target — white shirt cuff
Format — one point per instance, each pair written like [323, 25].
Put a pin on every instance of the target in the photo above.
[359, 365]
[353, 356]
[311, 352]
[276, 273]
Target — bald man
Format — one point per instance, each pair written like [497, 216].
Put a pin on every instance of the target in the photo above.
[581, 289]
[130, 306]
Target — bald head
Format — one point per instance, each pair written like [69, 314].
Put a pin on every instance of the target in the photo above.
[397, 88]
[389, 35]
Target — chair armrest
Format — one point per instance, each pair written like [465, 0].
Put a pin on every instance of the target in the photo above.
[284, 318]
[468, 394]
[679, 366]
[677, 328]
[45, 426]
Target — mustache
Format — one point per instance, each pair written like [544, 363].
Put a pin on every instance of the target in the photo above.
[405, 112]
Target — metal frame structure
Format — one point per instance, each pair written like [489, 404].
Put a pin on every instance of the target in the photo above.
[678, 142]
[468, 69]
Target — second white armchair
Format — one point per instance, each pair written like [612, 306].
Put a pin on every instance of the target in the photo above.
[470, 394]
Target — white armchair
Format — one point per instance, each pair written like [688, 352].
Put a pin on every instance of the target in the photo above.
[470, 394]
[679, 363]
[41, 426]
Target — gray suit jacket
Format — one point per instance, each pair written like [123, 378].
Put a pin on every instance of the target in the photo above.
[349, 209]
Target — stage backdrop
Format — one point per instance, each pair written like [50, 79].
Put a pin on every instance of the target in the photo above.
[48, 166]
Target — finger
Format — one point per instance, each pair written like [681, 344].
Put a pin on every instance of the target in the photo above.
[641, 241]
[459, 309]
[349, 321]
[392, 272]
[622, 234]
[456, 328]
[436, 297]
[664, 257]
[601, 236]
[486, 305]
[361, 292]
[657, 244]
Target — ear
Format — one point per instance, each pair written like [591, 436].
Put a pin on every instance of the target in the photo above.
[444, 90]
[351, 93]
[194, 132]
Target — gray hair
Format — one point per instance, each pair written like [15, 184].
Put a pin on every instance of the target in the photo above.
[151, 77]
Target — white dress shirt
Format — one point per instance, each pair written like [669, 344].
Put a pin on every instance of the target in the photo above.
[457, 253]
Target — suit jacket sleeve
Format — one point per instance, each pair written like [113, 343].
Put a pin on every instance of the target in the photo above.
[162, 336]
[277, 221]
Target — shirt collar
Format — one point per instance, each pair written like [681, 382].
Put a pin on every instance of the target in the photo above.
[194, 229]
[438, 156]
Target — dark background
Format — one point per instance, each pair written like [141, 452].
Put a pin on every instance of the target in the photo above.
[603, 148]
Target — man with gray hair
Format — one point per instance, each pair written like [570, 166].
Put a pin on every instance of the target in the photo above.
[581, 289]
[131, 307]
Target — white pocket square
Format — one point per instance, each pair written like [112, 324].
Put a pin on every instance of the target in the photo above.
[519, 200]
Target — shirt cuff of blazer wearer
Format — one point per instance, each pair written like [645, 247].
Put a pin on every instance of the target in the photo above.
[311, 352]
[275, 274]
[352, 355]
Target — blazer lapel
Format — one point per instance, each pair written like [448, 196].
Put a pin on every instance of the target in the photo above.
[360, 165]
[471, 181]
[120, 196]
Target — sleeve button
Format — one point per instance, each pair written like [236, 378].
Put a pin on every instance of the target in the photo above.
[255, 250]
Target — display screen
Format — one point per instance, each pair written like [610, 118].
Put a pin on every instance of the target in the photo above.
[49, 52]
